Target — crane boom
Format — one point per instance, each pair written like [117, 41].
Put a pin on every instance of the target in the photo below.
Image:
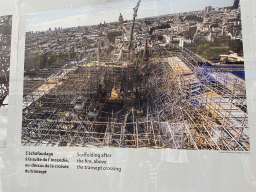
[134, 16]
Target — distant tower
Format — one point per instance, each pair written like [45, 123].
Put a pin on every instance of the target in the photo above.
[98, 52]
[120, 20]
[208, 9]
[146, 52]
[236, 3]
[211, 36]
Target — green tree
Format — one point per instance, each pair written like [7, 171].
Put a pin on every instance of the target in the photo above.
[236, 46]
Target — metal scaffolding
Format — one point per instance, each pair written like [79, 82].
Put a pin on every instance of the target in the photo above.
[172, 101]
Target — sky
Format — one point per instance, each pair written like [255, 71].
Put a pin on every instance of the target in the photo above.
[96, 14]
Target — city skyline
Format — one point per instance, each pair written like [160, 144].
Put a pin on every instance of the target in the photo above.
[87, 15]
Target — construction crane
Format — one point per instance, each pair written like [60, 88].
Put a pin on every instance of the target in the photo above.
[134, 16]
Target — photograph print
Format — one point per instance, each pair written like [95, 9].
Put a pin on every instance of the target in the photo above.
[5, 51]
[136, 74]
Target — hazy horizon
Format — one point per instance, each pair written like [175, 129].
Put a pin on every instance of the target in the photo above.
[96, 14]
